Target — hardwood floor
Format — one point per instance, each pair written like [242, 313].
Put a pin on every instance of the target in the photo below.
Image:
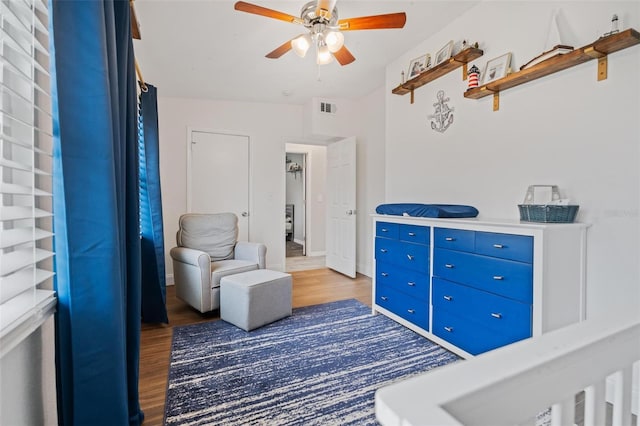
[309, 288]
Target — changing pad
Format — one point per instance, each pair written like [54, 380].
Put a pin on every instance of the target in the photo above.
[427, 210]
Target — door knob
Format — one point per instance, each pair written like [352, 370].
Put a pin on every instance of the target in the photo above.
[351, 212]
[245, 214]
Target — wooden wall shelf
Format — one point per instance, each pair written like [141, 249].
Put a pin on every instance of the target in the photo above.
[459, 60]
[596, 50]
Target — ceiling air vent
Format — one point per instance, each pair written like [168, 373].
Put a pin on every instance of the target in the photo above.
[327, 108]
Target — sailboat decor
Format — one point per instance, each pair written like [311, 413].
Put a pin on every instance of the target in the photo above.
[553, 39]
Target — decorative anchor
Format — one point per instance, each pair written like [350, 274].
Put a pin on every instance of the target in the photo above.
[443, 114]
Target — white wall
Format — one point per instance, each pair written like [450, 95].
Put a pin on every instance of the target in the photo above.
[566, 129]
[330, 127]
[27, 380]
[266, 125]
[370, 159]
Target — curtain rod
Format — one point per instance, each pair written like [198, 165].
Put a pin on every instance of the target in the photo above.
[143, 85]
[135, 34]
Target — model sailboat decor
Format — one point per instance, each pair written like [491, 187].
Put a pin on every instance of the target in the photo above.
[553, 40]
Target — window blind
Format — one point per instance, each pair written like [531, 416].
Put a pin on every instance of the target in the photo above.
[26, 254]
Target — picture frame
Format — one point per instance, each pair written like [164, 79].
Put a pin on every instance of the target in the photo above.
[496, 68]
[444, 53]
[417, 65]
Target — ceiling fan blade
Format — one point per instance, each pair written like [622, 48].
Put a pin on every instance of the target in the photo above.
[135, 25]
[279, 51]
[374, 22]
[263, 11]
[325, 8]
[343, 56]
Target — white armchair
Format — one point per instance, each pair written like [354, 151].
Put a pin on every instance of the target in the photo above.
[207, 251]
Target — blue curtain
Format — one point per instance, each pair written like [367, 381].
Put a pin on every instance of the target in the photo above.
[154, 308]
[96, 222]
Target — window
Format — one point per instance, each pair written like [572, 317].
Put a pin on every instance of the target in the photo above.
[26, 253]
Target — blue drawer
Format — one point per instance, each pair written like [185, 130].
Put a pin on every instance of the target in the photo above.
[454, 239]
[467, 334]
[505, 246]
[409, 308]
[387, 230]
[503, 277]
[413, 283]
[405, 255]
[414, 234]
[504, 316]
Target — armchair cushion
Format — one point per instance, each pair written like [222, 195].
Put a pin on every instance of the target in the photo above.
[223, 268]
[214, 234]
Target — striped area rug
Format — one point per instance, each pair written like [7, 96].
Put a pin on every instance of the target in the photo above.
[321, 366]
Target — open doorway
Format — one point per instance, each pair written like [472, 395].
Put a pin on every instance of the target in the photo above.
[305, 207]
[294, 213]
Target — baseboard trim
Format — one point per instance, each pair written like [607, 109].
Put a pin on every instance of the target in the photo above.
[364, 269]
[316, 253]
[170, 280]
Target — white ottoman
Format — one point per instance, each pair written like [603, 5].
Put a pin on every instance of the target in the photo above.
[255, 298]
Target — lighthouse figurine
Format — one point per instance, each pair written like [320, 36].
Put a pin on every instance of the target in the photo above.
[473, 77]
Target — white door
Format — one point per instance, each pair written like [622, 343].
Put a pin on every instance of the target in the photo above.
[218, 176]
[341, 206]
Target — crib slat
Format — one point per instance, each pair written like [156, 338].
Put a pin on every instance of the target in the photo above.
[622, 397]
[563, 412]
[635, 368]
[595, 407]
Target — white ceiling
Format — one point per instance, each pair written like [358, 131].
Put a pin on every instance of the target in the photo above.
[206, 49]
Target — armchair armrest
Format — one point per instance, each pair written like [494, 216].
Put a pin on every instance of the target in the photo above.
[192, 276]
[191, 257]
[254, 252]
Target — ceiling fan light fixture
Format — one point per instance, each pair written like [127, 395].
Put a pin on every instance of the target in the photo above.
[324, 55]
[334, 40]
[301, 44]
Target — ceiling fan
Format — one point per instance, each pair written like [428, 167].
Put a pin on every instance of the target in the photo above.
[320, 18]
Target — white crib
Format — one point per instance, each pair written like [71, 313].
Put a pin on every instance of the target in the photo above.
[516, 384]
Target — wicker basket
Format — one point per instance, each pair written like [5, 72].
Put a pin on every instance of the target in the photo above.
[548, 213]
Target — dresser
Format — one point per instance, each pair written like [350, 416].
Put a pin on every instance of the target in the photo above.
[472, 285]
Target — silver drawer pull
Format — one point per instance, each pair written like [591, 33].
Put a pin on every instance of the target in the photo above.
[498, 277]
[385, 298]
[383, 230]
[448, 298]
[411, 311]
[449, 329]
[412, 234]
[411, 284]
[448, 265]
[384, 274]
[449, 239]
[383, 250]
[498, 246]
[496, 315]
[410, 257]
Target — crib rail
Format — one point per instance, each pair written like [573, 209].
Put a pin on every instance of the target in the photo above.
[514, 384]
